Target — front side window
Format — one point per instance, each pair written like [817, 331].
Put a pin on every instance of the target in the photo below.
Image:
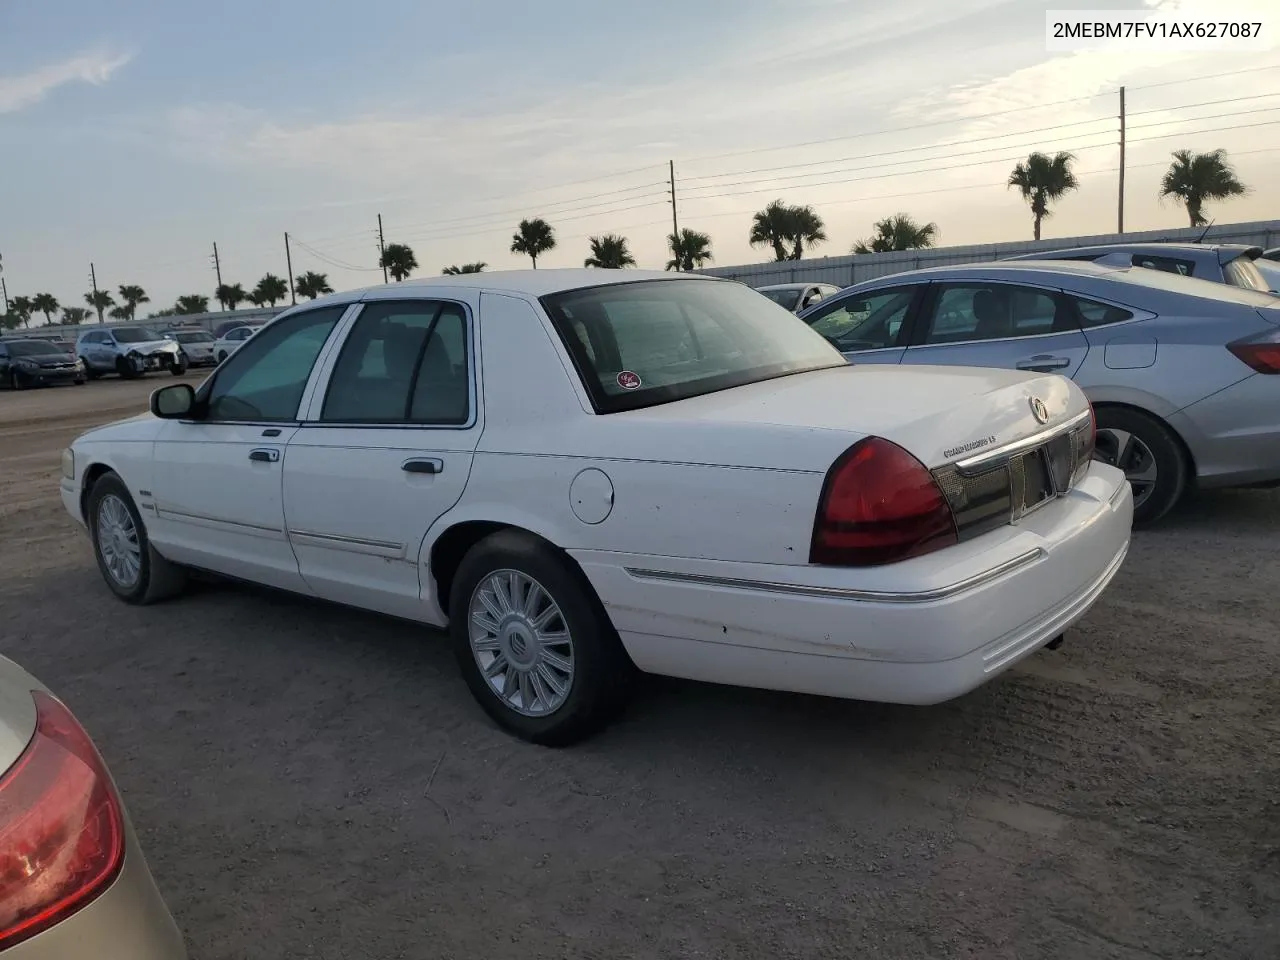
[654, 341]
[1242, 272]
[785, 298]
[964, 312]
[264, 380]
[402, 362]
[872, 322]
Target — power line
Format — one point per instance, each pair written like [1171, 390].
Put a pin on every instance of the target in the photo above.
[1210, 76]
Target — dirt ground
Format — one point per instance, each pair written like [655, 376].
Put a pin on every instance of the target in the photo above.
[314, 782]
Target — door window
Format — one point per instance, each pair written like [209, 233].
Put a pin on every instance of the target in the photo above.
[264, 380]
[402, 363]
[865, 323]
[976, 311]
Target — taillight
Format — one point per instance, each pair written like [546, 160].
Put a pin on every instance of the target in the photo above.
[879, 505]
[1261, 353]
[61, 827]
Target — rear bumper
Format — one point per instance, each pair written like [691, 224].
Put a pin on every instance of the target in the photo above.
[1234, 435]
[921, 631]
[128, 922]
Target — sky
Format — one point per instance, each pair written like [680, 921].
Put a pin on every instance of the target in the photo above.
[135, 134]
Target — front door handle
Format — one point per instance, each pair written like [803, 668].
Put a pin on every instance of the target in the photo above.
[264, 455]
[1043, 363]
[422, 465]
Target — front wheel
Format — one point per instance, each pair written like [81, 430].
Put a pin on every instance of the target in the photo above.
[534, 643]
[15, 382]
[132, 568]
[1151, 456]
[179, 367]
[222, 355]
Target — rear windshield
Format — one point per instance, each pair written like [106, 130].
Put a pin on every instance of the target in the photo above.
[786, 299]
[32, 348]
[655, 341]
[1242, 272]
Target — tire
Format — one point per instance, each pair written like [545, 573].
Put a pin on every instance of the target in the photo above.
[156, 578]
[599, 683]
[1154, 453]
[15, 382]
[222, 356]
[179, 368]
[125, 369]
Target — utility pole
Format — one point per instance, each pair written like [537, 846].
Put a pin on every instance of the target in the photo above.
[6, 294]
[1120, 217]
[288, 262]
[92, 279]
[675, 224]
[382, 251]
[217, 264]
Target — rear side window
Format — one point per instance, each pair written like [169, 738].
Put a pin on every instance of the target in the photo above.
[1094, 314]
[1184, 268]
[402, 363]
[968, 312]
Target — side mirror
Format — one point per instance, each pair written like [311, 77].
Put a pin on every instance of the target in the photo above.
[174, 402]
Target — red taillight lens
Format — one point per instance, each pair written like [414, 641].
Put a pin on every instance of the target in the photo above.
[1262, 355]
[61, 827]
[879, 505]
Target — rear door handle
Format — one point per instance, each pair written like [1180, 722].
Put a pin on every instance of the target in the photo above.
[422, 465]
[264, 455]
[1044, 364]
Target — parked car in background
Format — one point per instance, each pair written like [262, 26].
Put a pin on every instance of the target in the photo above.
[1270, 270]
[198, 345]
[226, 326]
[129, 352]
[232, 340]
[37, 363]
[1272, 254]
[73, 879]
[585, 473]
[1229, 263]
[1184, 374]
[797, 296]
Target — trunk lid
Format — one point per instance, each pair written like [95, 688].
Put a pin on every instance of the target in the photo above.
[939, 414]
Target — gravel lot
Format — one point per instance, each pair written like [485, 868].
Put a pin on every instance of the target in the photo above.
[310, 781]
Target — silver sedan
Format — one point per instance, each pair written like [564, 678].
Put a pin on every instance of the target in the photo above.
[73, 881]
[1184, 373]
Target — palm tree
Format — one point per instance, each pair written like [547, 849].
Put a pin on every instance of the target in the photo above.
[454, 271]
[898, 232]
[21, 308]
[192, 303]
[398, 260]
[1194, 178]
[132, 295]
[230, 295]
[46, 303]
[120, 313]
[609, 252]
[533, 238]
[772, 227]
[74, 316]
[689, 251]
[270, 290]
[1042, 179]
[10, 321]
[99, 300]
[312, 285]
[806, 227]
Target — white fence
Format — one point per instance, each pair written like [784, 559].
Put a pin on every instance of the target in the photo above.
[851, 269]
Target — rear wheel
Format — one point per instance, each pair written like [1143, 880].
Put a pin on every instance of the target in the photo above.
[534, 643]
[1150, 455]
[131, 567]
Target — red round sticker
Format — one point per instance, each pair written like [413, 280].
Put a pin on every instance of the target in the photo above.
[628, 380]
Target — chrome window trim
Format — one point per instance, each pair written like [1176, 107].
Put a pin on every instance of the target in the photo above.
[843, 593]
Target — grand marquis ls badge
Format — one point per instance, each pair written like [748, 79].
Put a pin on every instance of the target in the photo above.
[1039, 410]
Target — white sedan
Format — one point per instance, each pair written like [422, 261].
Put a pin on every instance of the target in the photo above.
[584, 473]
[232, 340]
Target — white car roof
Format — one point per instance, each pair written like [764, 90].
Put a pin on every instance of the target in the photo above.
[535, 283]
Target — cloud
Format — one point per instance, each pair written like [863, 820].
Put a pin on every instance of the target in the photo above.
[95, 67]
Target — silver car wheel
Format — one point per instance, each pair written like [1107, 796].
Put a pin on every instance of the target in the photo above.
[118, 541]
[1127, 452]
[521, 643]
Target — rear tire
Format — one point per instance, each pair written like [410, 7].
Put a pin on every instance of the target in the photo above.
[129, 564]
[1151, 456]
[522, 641]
